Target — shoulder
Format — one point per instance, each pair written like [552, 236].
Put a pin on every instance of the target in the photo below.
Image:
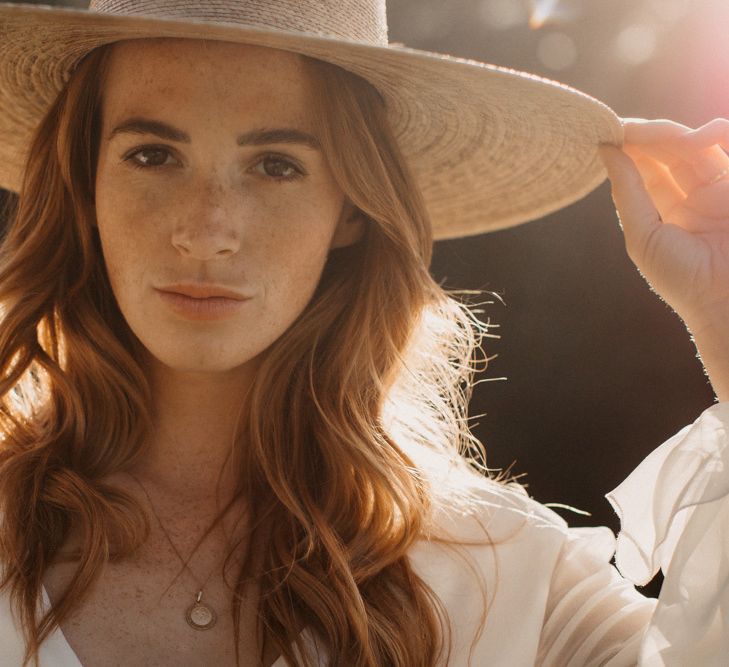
[500, 522]
[483, 507]
[496, 551]
[503, 552]
[493, 533]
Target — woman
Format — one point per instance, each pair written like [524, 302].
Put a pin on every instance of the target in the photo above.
[234, 398]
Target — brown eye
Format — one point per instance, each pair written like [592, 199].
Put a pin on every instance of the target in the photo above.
[278, 168]
[149, 157]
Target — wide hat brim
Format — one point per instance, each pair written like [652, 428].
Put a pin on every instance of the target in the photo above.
[490, 147]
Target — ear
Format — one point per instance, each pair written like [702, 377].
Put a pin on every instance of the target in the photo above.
[350, 227]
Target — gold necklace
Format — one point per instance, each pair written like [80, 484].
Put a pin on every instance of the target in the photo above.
[199, 615]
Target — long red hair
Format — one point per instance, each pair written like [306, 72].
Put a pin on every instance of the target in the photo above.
[368, 390]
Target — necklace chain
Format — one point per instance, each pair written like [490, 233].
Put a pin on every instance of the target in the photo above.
[199, 615]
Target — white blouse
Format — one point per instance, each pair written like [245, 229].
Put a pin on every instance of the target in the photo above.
[554, 597]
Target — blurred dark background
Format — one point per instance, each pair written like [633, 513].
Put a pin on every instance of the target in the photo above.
[599, 371]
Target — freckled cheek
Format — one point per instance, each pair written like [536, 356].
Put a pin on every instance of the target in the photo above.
[128, 237]
[297, 241]
[291, 255]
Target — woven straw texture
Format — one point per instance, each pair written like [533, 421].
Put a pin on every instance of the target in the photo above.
[490, 147]
[363, 20]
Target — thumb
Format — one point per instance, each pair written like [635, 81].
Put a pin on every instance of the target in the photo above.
[637, 215]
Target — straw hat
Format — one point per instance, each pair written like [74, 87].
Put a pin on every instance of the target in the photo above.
[490, 147]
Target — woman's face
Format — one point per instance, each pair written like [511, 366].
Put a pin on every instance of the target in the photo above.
[209, 173]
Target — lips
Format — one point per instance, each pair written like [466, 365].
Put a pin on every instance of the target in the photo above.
[203, 291]
[202, 302]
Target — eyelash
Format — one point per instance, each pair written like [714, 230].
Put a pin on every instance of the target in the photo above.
[298, 172]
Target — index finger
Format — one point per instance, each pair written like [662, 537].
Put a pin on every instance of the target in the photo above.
[701, 149]
[642, 130]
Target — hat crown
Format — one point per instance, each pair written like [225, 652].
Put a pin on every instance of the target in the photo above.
[359, 20]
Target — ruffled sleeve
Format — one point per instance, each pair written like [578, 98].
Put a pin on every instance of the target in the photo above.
[593, 616]
[674, 514]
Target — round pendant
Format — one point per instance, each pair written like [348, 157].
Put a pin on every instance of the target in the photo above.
[200, 616]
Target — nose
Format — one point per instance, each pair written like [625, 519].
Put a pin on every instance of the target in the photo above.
[207, 229]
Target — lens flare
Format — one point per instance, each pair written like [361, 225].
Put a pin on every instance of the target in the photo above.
[543, 12]
[636, 43]
[557, 51]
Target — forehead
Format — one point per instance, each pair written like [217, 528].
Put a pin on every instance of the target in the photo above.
[148, 75]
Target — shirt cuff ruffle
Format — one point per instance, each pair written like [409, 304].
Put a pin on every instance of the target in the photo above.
[674, 515]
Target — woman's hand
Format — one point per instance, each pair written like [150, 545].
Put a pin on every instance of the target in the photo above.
[670, 185]
[675, 220]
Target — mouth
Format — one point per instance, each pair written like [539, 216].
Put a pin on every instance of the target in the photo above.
[203, 291]
[212, 307]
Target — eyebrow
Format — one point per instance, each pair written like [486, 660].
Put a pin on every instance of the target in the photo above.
[258, 137]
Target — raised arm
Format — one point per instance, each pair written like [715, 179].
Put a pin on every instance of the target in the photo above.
[670, 186]
[674, 515]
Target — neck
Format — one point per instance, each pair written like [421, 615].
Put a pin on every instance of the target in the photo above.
[188, 452]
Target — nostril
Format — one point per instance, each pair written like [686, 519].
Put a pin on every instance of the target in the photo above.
[205, 243]
[181, 246]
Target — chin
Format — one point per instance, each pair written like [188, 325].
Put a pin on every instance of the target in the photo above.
[199, 360]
